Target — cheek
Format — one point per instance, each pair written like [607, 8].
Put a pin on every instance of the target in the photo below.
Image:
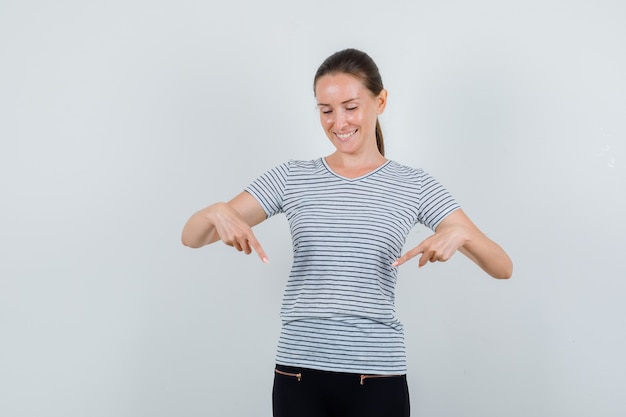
[355, 118]
[326, 121]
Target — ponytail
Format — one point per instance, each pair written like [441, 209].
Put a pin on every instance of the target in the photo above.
[380, 143]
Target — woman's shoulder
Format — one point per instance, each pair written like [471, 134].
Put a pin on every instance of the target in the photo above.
[303, 166]
[296, 167]
[291, 164]
[404, 170]
[305, 163]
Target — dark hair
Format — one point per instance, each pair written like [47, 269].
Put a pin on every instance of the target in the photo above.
[361, 65]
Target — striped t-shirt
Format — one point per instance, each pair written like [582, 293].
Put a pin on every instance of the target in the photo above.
[338, 309]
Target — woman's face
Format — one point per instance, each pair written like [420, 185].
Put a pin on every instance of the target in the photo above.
[348, 112]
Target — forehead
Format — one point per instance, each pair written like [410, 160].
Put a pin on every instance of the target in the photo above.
[341, 86]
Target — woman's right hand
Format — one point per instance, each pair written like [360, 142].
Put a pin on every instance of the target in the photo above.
[234, 231]
[230, 222]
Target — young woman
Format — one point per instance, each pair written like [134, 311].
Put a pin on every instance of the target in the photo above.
[341, 349]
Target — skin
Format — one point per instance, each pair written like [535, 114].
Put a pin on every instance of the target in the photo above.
[348, 114]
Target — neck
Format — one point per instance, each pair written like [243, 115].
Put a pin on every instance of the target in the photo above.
[352, 166]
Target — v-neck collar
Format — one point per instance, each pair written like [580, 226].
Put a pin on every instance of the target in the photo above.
[367, 174]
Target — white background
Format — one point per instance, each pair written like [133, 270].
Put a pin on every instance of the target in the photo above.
[119, 119]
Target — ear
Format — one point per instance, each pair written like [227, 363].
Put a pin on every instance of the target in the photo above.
[381, 101]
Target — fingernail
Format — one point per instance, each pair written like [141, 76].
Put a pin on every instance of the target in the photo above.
[265, 260]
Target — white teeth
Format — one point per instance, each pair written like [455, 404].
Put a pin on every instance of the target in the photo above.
[345, 135]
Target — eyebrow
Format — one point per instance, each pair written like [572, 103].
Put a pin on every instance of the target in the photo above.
[343, 102]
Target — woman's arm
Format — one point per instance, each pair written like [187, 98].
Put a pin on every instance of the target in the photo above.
[458, 232]
[229, 222]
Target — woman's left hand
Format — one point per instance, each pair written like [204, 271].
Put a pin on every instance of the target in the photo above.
[439, 247]
[457, 232]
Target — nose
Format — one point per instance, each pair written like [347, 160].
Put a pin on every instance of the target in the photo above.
[340, 120]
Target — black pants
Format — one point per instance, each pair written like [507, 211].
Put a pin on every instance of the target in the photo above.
[301, 392]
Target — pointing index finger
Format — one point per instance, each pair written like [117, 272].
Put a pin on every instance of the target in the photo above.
[410, 254]
[258, 249]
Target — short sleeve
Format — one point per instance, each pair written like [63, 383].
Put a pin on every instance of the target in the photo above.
[435, 202]
[269, 189]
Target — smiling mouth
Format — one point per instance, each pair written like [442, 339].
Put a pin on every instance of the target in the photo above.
[344, 136]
